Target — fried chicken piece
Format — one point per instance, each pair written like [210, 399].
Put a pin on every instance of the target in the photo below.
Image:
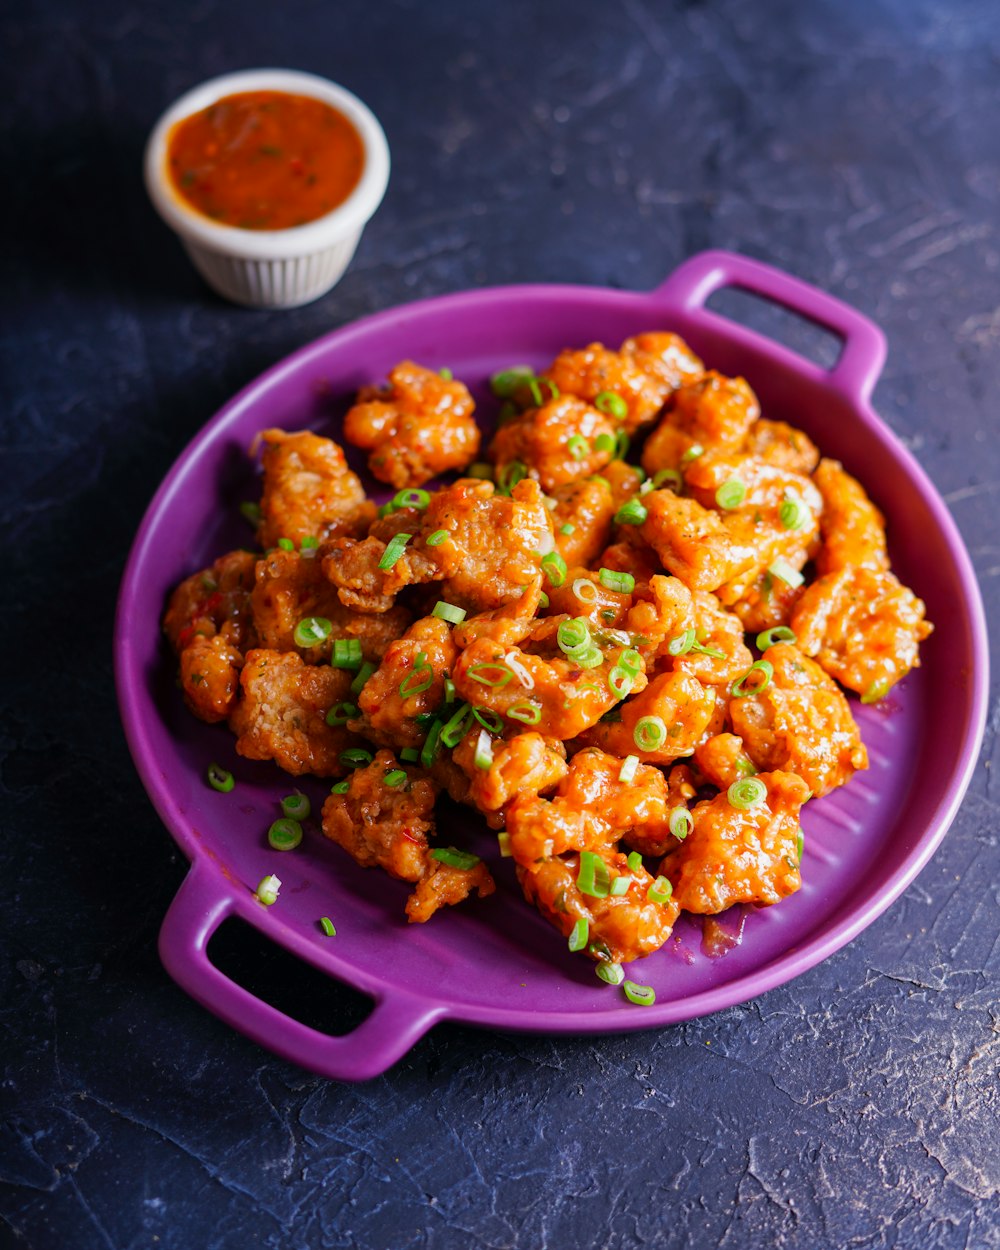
[853, 529]
[354, 568]
[863, 627]
[418, 426]
[525, 765]
[210, 676]
[561, 441]
[782, 445]
[799, 722]
[581, 519]
[713, 413]
[693, 542]
[408, 683]
[722, 760]
[506, 625]
[213, 601]
[680, 705]
[282, 714]
[309, 492]
[740, 855]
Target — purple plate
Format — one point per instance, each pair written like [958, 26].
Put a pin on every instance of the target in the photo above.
[497, 963]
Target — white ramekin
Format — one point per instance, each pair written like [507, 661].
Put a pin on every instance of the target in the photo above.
[271, 268]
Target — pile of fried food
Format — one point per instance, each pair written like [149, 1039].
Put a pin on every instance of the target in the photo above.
[559, 638]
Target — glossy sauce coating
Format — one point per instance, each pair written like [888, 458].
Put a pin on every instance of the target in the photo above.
[265, 160]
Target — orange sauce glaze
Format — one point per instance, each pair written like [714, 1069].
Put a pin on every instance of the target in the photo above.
[265, 160]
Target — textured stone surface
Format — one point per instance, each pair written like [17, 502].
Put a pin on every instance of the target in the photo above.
[856, 145]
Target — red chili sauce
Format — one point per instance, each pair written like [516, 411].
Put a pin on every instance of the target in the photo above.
[265, 160]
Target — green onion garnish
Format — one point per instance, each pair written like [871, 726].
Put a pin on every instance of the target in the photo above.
[784, 571]
[481, 673]
[670, 478]
[419, 680]
[480, 470]
[746, 793]
[453, 731]
[483, 757]
[631, 661]
[682, 643]
[503, 842]
[454, 858]
[660, 891]
[567, 528]
[580, 935]
[573, 635]
[409, 755]
[731, 493]
[632, 512]
[412, 498]
[590, 657]
[449, 690]
[650, 732]
[309, 543]
[620, 682]
[432, 745]
[876, 690]
[577, 446]
[510, 475]
[296, 807]
[394, 549]
[622, 444]
[507, 381]
[780, 633]
[341, 787]
[527, 713]
[341, 713]
[621, 583]
[313, 630]
[634, 861]
[346, 653]
[326, 924]
[641, 995]
[748, 684]
[620, 885]
[364, 672]
[286, 544]
[285, 834]
[692, 453]
[251, 511]
[488, 719]
[605, 442]
[681, 823]
[610, 972]
[395, 778]
[267, 890]
[554, 568]
[437, 538]
[584, 590]
[446, 374]
[356, 757]
[593, 877]
[445, 611]
[219, 779]
[611, 404]
[630, 765]
[793, 513]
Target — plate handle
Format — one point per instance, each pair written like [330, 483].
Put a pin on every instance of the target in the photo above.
[864, 348]
[203, 901]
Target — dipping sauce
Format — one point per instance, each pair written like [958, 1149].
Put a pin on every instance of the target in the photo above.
[265, 160]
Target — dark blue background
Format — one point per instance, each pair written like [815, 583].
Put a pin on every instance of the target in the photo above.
[855, 144]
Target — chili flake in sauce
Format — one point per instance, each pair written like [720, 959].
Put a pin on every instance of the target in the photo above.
[265, 160]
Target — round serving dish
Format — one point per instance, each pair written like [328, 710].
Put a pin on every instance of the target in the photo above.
[270, 268]
[497, 963]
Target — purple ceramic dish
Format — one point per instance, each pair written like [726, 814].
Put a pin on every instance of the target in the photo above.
[496, 963]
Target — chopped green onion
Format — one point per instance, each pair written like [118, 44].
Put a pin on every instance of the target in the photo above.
[793, 513]
[593, 877]
[621, 583]
[876, 690]
[432, 744]
[712, 651]
[341, 787]
[355, 757]
[478, 672]
[620, 682]
[454, 858]
[267, 890]
[535, 387]
[631, 661]
[622, 444]
[783, 570]
[505, 383]
[309, 543]
[660, 891]
[605, 442]
[670, 478]
[312, 630]
[731, 493]
[567, 528]
[611, 404]
[449, 690]
[610, 972]
[286, 544]
[650, 733]
[573, 635]
[326, 924]
[394, 549]
[580, 934]
[692, 453]
[503, 842]
[395, 778]
[577, 446]
[453, 731]
[590, 657]
[510, 475]
[480, 470]
[296, 807]
[445, 611]
[346, 653]
[419, 680]
[285, 834]
[740, 689]
[251, 511]
[632, 512]
[446, 374]
[585, 590]
[437, 538]
[620, 885]
[488, 719]
[554, 568]
[483, 757]
[746, 793]
[219, 779]
[341, 713]
[412, 498]
[641, 995]
[682, 643]
[780, 633]
[680, 823]
[364, 672]
[527, 713]
[630, 765]
[634, 861]
[409, 755]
